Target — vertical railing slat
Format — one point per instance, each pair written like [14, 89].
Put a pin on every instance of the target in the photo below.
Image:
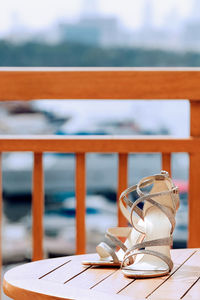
[80, 204]
[122, 183]
[194, 178]
[37, 207]
[1, 219]
[166, 162]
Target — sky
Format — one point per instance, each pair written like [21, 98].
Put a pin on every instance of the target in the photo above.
[38, 15]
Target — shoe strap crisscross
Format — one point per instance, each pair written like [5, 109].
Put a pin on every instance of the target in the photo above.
[138, 249]
[147, 181]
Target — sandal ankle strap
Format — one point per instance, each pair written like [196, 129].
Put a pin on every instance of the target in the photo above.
[125, 202]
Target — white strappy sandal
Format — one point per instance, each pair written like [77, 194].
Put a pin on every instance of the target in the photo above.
[151, 258]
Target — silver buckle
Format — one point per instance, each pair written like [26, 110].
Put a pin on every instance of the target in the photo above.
[165, 173]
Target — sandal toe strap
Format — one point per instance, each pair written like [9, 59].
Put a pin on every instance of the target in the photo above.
[163, 257]
[104, 250]
[136, 249]
[157, 242]
[115, 232]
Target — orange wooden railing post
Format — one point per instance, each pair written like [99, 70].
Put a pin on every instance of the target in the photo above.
[80, 204]
[122, 184]
[166, 162]
[37, 207]
[194, 179]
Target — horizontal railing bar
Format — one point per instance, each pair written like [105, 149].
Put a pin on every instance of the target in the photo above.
[99, 83]
[103, 144]
[83, 69]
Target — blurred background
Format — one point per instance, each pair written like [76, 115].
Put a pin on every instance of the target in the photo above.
[127, 33]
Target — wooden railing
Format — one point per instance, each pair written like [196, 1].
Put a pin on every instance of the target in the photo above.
[103, 83]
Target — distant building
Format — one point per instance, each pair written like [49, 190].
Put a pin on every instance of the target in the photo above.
[95, 29]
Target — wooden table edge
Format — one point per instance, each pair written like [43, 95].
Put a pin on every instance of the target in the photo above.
[47, 292]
